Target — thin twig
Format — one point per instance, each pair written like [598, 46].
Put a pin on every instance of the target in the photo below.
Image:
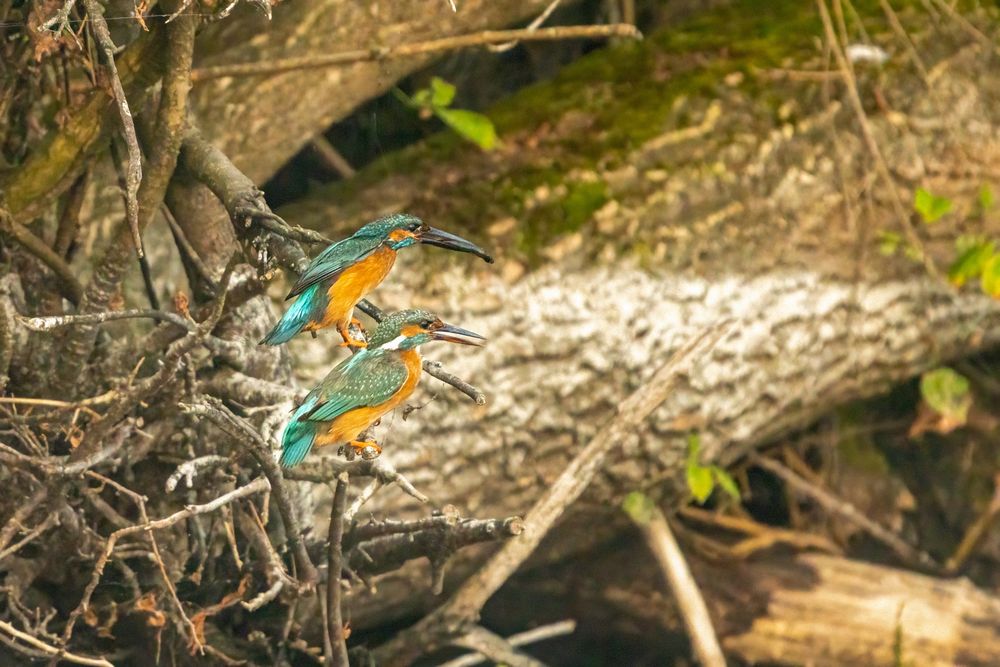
[871, 142]
[68, 284]
[650, 520]
[438, 627]
[532, 636]
[279, 65]
[256, 486]
[842, 508]
[47, 523]
[496, 648]
[246, 437]
[335, 556]
[976, 532]
[332, 157]
[322, 469]
[51, 322]
[52, 650]
[190, 469]
[133, 174]
[534, 25]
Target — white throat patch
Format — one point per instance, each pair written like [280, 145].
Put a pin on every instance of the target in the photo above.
[394, 343]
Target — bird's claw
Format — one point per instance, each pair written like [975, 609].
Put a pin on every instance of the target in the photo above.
[367, 449]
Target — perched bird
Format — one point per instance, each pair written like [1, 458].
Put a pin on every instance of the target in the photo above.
[346, 271]
[359, 390]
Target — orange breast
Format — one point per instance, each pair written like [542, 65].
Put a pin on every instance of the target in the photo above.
[351, 424]
[354, 283]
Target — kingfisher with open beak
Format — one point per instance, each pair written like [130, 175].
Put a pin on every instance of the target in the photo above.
[343, 274]
[363, 388]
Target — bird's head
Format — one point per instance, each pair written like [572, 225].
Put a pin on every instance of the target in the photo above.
[407, 329]
[401, 230]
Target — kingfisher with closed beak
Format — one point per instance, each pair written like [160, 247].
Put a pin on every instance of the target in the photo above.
[343, 274]
[363, 388]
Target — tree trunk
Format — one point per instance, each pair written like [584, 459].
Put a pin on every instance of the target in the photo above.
[260, 122]
[650, 192]
[772, 608]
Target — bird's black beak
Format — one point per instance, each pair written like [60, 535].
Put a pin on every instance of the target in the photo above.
[453, 334]
[442, 239]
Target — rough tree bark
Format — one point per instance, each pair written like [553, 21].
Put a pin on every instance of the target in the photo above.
[247, 116]
[658, 189]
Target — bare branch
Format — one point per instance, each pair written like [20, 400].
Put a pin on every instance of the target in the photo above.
[496, 648]
[439, 627]
[843, 509]
[538, 634]
[650, 520]
[279, 65]
[335, 537]
[133, 175]
[247, 438]
[68, 284]
[52, 650]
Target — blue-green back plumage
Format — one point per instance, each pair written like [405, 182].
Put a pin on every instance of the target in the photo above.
[367, 379]
[341, 255]
[337, 258]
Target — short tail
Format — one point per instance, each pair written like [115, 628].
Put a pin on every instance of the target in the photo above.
[297, 441]
[295, 318]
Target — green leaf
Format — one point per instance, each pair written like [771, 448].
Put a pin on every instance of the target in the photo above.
[442, 93]
[889, 243]
[694, 446]
[726, 482]
[930, 207]
[475, 127]
[986, 198]
[970, 262]
[700, 482]
[947, 393]
[991, 277]
[639, 507]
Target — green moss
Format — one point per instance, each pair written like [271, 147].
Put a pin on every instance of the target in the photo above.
[596, 111]
[561, 215]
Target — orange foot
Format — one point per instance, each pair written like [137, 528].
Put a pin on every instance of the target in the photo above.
[367, 449]
[348, 340]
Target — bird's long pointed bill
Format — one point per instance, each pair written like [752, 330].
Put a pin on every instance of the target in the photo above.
[454, 334]
[443, 239]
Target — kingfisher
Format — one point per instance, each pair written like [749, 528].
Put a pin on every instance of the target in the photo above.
[366, 386]
[348, 270]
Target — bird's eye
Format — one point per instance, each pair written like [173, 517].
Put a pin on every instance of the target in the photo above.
[414, 226]
[427, 324]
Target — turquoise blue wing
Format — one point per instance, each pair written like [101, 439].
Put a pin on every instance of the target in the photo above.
[367, 379]
[333, 261]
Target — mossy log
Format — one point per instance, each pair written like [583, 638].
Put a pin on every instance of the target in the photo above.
[262, 121]
[713, 171]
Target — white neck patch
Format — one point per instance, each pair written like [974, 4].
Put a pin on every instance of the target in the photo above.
[394, 343]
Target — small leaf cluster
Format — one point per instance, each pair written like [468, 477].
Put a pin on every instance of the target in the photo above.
[702, 479]
[976, 257]
[947, 393]
[436, 101]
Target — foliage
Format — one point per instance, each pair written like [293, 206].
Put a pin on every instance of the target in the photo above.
[436, 100]
[976, 257]
[702, 479]
[947, 393]
[930, 207]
